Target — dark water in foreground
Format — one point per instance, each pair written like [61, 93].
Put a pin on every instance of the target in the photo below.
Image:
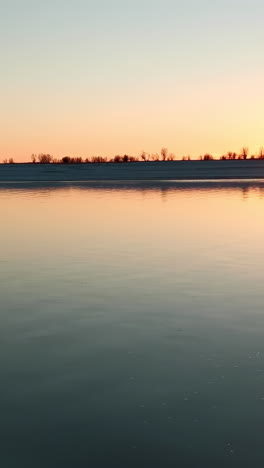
[132, 326]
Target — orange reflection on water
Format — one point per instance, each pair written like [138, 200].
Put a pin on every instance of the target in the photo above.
[41, 220]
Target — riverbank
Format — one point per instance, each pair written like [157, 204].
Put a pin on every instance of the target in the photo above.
[168, 170]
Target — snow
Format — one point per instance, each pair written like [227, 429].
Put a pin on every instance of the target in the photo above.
[141, 171]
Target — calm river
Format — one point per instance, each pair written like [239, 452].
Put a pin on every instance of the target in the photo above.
[132, 325]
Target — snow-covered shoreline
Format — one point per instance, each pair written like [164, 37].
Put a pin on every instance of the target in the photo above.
[143, 171]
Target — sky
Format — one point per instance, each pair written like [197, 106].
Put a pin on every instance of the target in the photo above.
[107, 77]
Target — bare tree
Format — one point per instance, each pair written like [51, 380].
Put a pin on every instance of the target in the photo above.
[143, 156]
[155, 157]
[117, 158]
[261, 153]
[45, 158]
[208, 157]
[164, 153]
[98, 159]
[171, 157]
[244, 152]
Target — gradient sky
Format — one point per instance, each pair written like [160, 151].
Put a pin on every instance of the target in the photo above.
[106, 77]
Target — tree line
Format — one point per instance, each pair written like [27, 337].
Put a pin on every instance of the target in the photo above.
[164, 155]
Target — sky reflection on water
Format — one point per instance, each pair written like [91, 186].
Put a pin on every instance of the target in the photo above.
[132, 325]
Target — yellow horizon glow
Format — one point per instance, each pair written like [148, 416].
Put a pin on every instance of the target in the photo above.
[70, 91]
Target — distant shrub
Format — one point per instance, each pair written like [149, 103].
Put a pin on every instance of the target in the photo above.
[69, 160]
[98, 159]
[154, 157]
[207, 157]
[66, 160]
[45, 158]
[8, 161]
[144, 157]
[171, 157]
[117, 159]
[261, 153]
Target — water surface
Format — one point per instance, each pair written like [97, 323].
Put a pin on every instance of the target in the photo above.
[132, 325]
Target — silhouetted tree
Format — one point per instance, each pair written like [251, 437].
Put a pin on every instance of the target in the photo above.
[154, 157]
[98, 159]
[143, 156]
[117, 159]
[261, 153]
[66, 160]
[165, 156]
[164, 153]
[208, 157]
[78, 160]
[171, 157]
[244, 153]
[44, 158]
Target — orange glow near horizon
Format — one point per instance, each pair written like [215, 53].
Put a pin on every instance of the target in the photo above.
[197, 122]
[69, 90]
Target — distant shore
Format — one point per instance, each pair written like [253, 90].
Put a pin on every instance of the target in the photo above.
[136, 171]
